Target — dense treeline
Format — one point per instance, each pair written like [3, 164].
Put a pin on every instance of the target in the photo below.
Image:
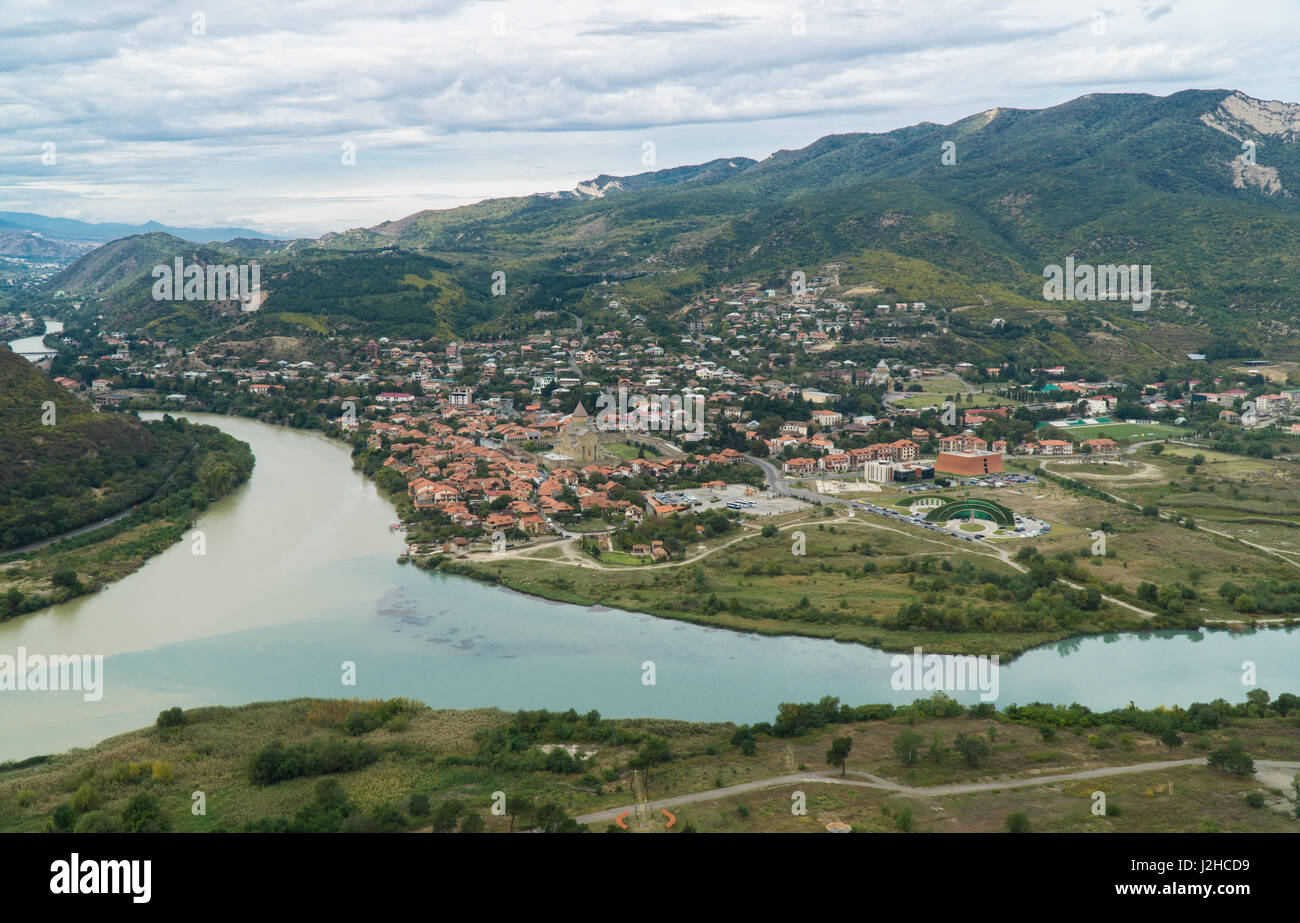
[794, 719]
[182, 463]
[211, 463]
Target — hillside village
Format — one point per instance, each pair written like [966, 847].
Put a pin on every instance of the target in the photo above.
[516, 438]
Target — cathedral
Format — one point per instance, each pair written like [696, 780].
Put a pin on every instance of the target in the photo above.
[578, 439]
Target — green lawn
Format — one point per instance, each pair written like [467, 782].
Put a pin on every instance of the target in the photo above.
[1125, 431]
[621, 449]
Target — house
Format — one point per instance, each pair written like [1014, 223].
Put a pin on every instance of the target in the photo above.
[966, 442]
[1054, 447]
[800, 466]
[1101, 446]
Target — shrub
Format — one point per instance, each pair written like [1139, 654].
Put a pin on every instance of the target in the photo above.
[972, 748]
[171, 719]
[361, 721]
[63, 818]
[1017, 823]
[86, 799]
[1232, 759]
[143, 814]
[322, 756]
[98, 822]
[1255, 800]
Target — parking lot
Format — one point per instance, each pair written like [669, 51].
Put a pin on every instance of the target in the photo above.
[764, 504]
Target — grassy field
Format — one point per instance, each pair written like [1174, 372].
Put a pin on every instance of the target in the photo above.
[849, 584]
[621, 449]
[96, 563]
[1124, 432]
[937, 397]
[423, 755]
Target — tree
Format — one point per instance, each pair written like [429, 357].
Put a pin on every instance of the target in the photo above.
[66, 579]
[838, 754]
[473, 822]
[445, 816]
[1232, 759]
[1169, 737]
[972, 748]
[907, 745]
[522, 809]
[654, 750]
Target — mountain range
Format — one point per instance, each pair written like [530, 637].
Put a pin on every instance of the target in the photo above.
[28, 236]
[1200, 185]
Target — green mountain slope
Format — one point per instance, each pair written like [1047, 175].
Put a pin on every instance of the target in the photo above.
[83, 467]
[1106, 178]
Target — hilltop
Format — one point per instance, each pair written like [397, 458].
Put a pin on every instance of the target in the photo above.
[1105, 178]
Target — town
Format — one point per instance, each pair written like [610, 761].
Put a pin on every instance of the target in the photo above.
[495, 444]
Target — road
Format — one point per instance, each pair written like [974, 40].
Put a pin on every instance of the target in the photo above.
[867, 780]
[778, 485]
[102, 522]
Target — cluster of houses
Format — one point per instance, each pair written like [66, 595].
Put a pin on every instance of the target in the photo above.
[456, 460]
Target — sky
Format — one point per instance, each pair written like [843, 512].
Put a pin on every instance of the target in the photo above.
[298, 118]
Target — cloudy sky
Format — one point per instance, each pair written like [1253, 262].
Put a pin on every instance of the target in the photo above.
[233, 113]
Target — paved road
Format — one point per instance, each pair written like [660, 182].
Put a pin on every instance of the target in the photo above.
[867, 780]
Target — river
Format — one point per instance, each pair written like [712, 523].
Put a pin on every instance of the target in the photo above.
[33, 347]
[299, 576]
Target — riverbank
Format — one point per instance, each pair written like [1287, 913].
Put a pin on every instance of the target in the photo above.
[211, 464]
[300, 576]
[351, 765]
[859, 581]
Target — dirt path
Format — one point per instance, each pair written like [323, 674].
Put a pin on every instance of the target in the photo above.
[867, 780]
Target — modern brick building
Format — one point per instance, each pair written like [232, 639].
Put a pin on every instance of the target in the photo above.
[968, 464]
